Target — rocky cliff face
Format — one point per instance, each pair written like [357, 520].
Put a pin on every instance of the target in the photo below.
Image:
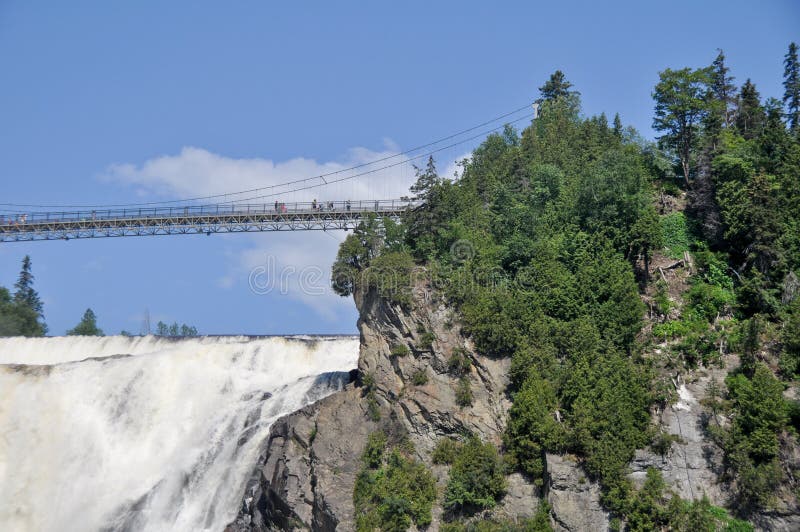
[306, 475]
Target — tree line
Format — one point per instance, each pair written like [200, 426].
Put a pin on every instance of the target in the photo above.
[22, 313]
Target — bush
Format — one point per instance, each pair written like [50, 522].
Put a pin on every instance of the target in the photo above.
[446, 451]
[751, 444]
[373, 408]
[390, 274]
[532, 426]
[675, 234]
[477, 478]
[425, 342]
[393, 490]
[654, 507]
[373, 452]
[419, 377]
[662, 443]
[463, 392]
[399, 350]
[459, 362]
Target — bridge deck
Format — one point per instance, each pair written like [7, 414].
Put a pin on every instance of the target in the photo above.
[196, 219]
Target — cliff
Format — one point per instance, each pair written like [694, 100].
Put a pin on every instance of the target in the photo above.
[307, 470]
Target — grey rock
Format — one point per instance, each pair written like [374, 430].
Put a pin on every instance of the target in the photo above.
[692, 466]
[574, 500]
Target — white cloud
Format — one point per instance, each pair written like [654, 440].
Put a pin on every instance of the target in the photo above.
[197, 172]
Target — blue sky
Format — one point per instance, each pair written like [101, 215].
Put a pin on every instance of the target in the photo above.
[105, 102]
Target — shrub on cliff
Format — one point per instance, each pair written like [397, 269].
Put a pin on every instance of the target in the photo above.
[477, 478]
[393, 490]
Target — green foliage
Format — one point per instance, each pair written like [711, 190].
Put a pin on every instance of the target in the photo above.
[425, 341]
[477, 478]
[681, 107]
[539, 246]
[392, 491]
[175, 330]
[446, 451]
[373, 452]
[662, 443]
[790, 338]
[22, 314]
[675, 233]
[87, 326]
[459, 362]
[661, 299]
[390, 274]
[791, 85]
[399, 350]
[369, 385]
[751, 443]
[656, 508]
[419, 377]
[373, 408]
[532, 425]
[464, 396]
[556, 87]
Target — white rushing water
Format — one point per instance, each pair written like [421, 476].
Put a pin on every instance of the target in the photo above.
[161, 438]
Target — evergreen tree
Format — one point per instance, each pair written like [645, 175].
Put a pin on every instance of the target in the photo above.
[426, 181]
[556, 87]
[24, 287]
[87, 326]
[422, 221]
[750, 115]
[617, 126]
[187, 330]
[26, 299]
[723, 89]
[791, 85]
[681, 106]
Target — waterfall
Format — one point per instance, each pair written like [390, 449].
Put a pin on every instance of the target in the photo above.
[147, 433]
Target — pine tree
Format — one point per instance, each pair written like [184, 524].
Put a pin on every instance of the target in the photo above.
[791, 85]
[24, 287]
[617, 126]
[87, 326]
[426, 180]
[29, 307]
[556, 87]
[722, 88]
[750, 115]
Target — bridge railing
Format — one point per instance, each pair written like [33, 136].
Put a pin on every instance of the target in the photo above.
[19, 220]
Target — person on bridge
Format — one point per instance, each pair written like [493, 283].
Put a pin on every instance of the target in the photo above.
[314, 205]
[347, 205]
[276, 205]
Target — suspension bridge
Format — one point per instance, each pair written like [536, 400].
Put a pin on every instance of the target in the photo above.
[197, 219]
[220, 214]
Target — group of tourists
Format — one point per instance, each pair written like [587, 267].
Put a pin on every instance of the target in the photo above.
[315, 206]
[13, 220]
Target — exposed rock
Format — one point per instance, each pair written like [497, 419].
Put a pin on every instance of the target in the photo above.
[306, 475]
[521, 500]
[777, 521]
[692, 466]
[574, 500]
